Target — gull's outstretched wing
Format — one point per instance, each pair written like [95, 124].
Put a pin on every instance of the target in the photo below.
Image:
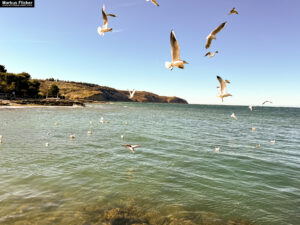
[105, 19]
[175, 50]
[208, 42]
[218, 29]
[222, 85]
[155, 2]
[207, 54]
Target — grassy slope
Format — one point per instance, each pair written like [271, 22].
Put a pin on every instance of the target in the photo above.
[84, 91]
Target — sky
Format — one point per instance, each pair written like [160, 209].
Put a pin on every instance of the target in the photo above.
[259, 50]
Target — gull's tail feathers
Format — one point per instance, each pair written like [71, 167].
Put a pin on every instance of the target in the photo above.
[168, 65]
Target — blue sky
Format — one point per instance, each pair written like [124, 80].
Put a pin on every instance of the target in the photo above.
[259, 48]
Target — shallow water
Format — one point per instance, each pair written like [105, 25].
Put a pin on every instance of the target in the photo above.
[176, 177]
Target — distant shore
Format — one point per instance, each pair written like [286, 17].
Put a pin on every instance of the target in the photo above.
[41, 102]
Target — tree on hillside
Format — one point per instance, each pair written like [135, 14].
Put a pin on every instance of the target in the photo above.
[2, 69]
[20, 85]
[53, 91]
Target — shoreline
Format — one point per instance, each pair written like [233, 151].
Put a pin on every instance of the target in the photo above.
[40, 103]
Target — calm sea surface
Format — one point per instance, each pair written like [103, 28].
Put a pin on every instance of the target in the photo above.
[176, 177]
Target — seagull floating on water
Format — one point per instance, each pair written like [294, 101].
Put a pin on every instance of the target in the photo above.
[233, 116]
[72, 136]
[89, 132]
[233, 11]
[104, 29]
[101, 120]
[132, 147]
[217, 150]
[211, 54]
[253, 129]
[153, 1]
[257, 146]
[122, 137]
[272, 142]
[47, 144]
[175, 53]
[213, 34]
[131, 93]
[223, 89]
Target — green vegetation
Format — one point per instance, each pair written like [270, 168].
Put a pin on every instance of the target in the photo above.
[53, 91]
[19, 85]
[2, 69]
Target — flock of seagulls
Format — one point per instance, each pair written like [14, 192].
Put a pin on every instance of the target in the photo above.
[175, 49]
[90, 132]
[176, 62]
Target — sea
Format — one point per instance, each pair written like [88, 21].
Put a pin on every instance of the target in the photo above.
[196, 165]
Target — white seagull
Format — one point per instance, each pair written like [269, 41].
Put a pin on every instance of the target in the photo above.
[89, 132]
[272, 142]
[211, 54]
[217, 150]
[132, 147]
[233, 11]
[223, 90]
[253, 129]
[131, 93]
[47, 144]
[213, 34]
[250, 107]
[153, 1]
[72, 136]
[122, 137]
[101, 120]
[104, 28]
[233, 116]
[175, 53]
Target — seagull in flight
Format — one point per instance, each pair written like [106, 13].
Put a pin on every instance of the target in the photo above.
[153, 1]
[132, 147]
[233, 11]
[223, 90]
[267, 102]
[211, 54]
[233, 116]
[213, 34]
[250, 107]
[131, 93]
[175, 52]
[104, 28]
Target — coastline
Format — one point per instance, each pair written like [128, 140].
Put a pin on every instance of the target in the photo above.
[40, 102]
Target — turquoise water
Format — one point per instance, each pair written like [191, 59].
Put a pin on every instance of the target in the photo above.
[176, 177]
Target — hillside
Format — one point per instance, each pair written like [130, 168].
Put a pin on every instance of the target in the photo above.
[93, 92]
